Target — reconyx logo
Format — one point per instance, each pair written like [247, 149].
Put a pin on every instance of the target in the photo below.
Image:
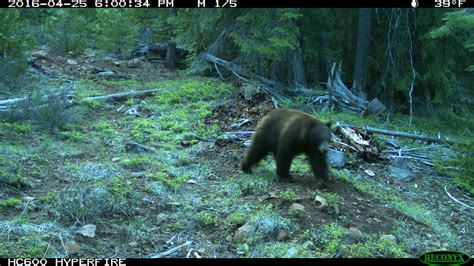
[444, 257]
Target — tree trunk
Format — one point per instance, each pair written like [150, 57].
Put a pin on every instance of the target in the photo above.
[362, 52]
[297, 66]
[170, 61]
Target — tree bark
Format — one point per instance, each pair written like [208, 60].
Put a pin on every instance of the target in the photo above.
[170, 61]
[297, 66]
[362, 52]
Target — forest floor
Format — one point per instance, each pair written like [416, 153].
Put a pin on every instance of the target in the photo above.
[88, 190]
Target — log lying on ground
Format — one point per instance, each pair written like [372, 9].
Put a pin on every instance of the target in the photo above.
[266, 84]
[5, 105]
[8, 102]
[402, 134]
[122, 95]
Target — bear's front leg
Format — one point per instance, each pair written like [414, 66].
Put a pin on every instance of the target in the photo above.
[283, 158]
[319, 166]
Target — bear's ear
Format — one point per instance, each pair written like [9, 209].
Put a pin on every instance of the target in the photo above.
[329, 124]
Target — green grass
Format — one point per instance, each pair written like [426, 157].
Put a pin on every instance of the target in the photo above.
[459, 168]
[15, 128]
[331, 239]
[288, 195]
[9, 203]
[206, 218]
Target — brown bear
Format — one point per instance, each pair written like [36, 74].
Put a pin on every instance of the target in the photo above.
[287, 133]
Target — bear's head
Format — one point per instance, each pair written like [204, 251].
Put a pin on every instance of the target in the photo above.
[319, 136]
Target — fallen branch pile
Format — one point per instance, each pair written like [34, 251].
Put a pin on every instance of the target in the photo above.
[263, 83]
[340, 96]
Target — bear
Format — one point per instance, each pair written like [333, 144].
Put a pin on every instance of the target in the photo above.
[287, 133]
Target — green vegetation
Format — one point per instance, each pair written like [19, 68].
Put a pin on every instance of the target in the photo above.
[206, 218]
[288, 195]
[332, 239]
[172, 181]
[11, 202]
[79, 165]
[460, 167]
[15, 127]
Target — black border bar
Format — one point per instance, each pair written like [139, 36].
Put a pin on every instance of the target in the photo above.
[206, 262]
[237, 3]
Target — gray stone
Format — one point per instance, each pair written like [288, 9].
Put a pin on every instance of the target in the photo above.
[87, 230]
[106, 73]
[400, 170]
[390, 238]
[72, 247]
[244, 231]
[71, 62]
[134, 63]
[296, 207]
[336, 159]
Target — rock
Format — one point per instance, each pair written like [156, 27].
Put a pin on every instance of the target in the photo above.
[369, 172]
[249, 91]
[296, 207]
[354, 231]
[320, 202]
[28, 198]
[390, 238]
[88, 52]
[40, 54]
[282, 236]
[72, 247]
[106, 74]
[134, 63]
[400, 170]
[71, 62]
[244, 231]
[336, 159]
[87, 230]
[133, 244]
[375, 107]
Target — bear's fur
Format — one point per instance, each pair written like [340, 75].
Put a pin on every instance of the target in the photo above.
[287, 133]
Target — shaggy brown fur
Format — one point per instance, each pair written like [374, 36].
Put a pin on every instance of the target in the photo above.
[287, 133]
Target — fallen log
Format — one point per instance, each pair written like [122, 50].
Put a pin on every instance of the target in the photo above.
[8, 102]
[402, 134]
[242, 73]
[121, 95]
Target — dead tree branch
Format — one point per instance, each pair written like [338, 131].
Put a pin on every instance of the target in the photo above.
[122, 95]
[402, 134]
[171, 251]
[242, 73]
